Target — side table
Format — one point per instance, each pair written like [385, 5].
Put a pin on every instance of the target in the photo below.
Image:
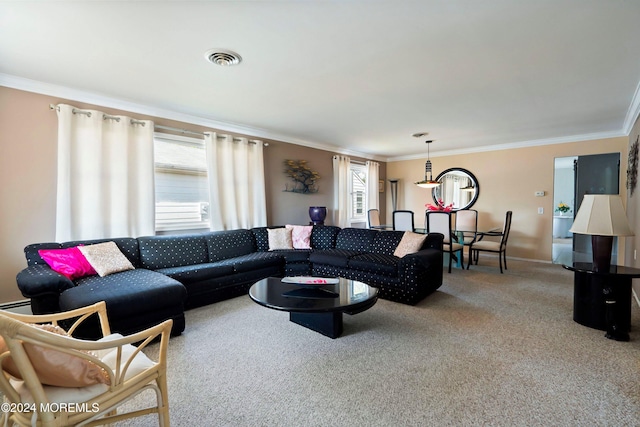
[602, 299]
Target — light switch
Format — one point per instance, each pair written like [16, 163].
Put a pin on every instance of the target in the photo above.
[540, 211]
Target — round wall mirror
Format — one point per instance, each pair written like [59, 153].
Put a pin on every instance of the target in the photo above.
[457, 186]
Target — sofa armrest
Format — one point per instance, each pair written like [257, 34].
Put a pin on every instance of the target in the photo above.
[40, 280]
[434, 241]
[424, 259]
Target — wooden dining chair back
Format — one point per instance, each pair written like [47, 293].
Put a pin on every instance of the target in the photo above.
[57, 380]
[498, 246]
[403, 220]
[373, 216]
[467, 225]
[442, 222]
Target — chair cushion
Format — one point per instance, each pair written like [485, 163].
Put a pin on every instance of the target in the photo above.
[60, 394]
[487, 246]
[82, 394]
[54, 367]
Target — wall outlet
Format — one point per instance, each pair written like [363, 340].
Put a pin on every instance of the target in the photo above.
[540, 211]
[539, 193]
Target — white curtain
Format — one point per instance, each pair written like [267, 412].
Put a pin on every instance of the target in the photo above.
[105, 175]
[373, 201]
[236, 182]
[341, 169]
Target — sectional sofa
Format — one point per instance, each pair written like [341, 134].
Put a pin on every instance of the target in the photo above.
[169, 274]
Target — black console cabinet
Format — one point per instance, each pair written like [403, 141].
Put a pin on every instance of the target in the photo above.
[602, 300]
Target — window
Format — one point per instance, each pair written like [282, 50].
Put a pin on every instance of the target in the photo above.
[182, 192]
[358, 184]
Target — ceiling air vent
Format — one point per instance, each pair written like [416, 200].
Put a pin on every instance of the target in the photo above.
[222, 57]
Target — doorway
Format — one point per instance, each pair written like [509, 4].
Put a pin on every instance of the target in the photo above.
[563, 195]
[574, 177]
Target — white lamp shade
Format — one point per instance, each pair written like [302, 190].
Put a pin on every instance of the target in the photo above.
[601, 215]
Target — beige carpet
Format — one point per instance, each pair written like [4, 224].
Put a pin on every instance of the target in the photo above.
[485, 349]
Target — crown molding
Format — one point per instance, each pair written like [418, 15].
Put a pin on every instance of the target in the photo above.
[513, 145]
[64, 92]
[633, 112]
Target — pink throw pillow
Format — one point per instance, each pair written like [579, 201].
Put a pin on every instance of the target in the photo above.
[301, 236]
[69, 262]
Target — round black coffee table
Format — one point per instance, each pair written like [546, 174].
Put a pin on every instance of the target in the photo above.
[318, 306]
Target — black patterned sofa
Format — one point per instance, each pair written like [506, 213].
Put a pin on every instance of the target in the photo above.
[178, 272]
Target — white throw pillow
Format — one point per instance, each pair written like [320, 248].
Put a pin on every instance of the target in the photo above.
[410, 243]
[280, 238]
[106, 258]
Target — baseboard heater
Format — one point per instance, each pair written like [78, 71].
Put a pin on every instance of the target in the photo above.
[15, 304]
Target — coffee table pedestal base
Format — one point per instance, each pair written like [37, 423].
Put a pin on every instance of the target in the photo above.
[328, 324]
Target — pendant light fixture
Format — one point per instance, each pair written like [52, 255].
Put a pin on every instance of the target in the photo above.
[428, 181]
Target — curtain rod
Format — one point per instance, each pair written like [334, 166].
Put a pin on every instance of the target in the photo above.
[169, 128]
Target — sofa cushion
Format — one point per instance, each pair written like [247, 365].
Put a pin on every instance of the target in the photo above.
[173, 251]
[254, 261]
[229, 244]
[198, 272]
[294, 255]
[386, 242]
[324, 236]
[335, 257]
[356, 239]
[127, 293]
[380, 264]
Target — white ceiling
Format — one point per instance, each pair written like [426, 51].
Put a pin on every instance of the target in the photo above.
[361, 75]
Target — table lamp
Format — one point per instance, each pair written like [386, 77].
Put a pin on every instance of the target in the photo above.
[602, 216]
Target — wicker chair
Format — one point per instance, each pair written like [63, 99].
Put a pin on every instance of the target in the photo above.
[125, 371]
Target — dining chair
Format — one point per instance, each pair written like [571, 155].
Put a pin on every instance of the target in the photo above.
[441, 222]
[403, 220]
[467, 225]
[499, 247]
[373, 215]
[58, 380]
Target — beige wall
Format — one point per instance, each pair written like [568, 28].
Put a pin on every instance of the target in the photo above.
[508, 180]
[293, 208]
[633, 213]
[28, 135]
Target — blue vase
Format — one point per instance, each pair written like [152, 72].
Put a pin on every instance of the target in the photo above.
[317, 214]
